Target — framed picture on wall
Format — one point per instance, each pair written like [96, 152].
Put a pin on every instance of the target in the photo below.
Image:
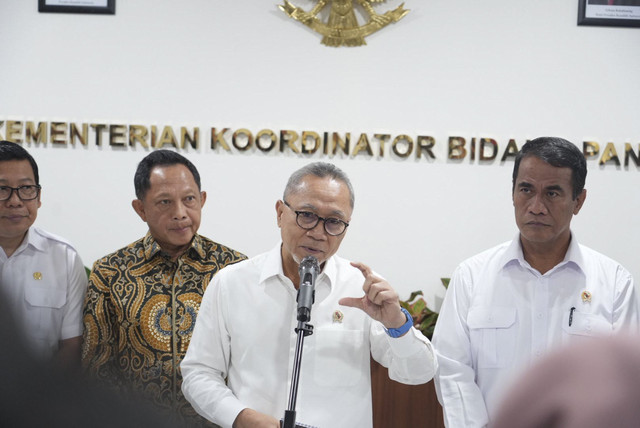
[78, 6]
[618, 13]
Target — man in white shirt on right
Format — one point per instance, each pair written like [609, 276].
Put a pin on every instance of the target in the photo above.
[510, 305]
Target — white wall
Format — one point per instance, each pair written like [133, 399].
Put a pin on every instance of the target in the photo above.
[498, 68]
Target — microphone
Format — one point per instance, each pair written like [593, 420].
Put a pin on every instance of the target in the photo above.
[308, 271]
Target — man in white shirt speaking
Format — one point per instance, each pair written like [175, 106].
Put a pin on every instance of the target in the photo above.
[245, 329]
[510, 305]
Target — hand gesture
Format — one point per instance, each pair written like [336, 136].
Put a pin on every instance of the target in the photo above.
[380, 301]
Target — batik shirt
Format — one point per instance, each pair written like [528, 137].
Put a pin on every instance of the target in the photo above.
[139, 315]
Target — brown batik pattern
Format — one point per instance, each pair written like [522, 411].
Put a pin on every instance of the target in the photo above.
[140, 313]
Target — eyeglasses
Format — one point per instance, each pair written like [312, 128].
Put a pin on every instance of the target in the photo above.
[308, 220]
[25, 193]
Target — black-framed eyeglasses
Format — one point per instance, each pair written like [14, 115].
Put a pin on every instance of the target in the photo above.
[25, 193]
[308, 220]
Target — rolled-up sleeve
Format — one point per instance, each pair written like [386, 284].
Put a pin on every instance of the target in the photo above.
[409, 358]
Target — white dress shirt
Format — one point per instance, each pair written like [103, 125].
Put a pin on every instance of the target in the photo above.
[245, 334]
[44, 282]
[500, 315]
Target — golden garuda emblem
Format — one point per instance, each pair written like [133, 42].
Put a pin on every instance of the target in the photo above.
[342, 28]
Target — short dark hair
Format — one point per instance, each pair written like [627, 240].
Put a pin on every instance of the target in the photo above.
[320, 170]
[11, 151]
[556, 152]
[162, 157]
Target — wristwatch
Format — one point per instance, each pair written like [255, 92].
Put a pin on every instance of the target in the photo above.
[397, 332]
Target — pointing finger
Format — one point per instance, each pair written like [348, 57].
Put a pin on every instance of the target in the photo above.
[354, 302]
[366, 270]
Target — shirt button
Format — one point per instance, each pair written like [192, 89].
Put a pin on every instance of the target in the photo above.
[539, 315]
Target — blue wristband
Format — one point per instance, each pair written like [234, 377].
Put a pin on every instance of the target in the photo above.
[397, 332]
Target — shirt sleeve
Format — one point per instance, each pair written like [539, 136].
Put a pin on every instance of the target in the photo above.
[461, 398]
[409, 358]
[100, 333]
[625, 308]
[206, 363]
[76, 291]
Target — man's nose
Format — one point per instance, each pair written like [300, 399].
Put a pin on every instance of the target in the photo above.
[318, 231]
[180, 211]
[14, 199]
[538, 205]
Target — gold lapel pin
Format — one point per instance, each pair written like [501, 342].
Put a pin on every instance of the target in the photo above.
[338, 316]
[586, 296]
[37, 276]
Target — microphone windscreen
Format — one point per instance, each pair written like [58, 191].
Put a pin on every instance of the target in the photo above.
[309, 266]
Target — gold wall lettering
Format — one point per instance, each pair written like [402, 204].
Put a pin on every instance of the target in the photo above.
[117, 135]
[487, 149]
[327, 143]
[591, 149]
[456, 149]
[610, 155]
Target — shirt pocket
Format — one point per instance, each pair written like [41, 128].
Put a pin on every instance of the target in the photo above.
[339, 357]
[44, 315]
[585, 324]
[492, 335]
[45, 297]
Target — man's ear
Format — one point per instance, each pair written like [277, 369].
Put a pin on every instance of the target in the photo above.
[203, 198]
[580, 201]
[279, 211]
[138, 207]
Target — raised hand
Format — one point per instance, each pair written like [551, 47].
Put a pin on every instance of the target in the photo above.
[380, 301]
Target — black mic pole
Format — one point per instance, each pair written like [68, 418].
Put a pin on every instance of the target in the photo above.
[306, 295]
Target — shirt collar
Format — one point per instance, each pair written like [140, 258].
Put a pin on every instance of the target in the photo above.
[273, 267]
[152, 248]
[273, 264]
[574, 253]
[33, 239]
[514, 254]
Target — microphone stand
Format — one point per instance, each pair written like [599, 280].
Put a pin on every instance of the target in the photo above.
[306, 295]
[304, 329]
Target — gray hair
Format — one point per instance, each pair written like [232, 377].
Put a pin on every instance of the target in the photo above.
[320, 170]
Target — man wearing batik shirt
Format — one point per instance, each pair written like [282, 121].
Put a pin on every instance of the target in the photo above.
[143, 299]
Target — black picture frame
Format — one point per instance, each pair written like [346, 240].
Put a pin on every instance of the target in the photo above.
[77, 6]
[622, 13]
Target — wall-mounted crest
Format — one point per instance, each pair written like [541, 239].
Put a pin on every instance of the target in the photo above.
[342, 28]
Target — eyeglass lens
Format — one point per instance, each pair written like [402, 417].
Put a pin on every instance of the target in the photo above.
[24, 192]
